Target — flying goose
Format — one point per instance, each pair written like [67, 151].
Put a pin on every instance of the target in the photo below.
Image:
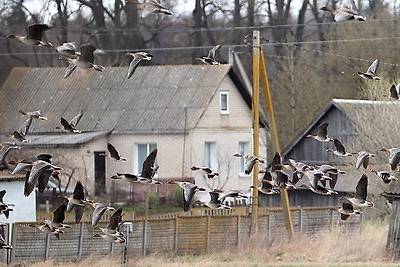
[385, 176]
[360, 199]
[45, 228]
[314, 177]
[250, 160]
[20, 135]
[394, 92]
[318, 189]
[67, 49]
[58, 218]
[340, 150]
[235, 193]
[111, 238]
[210, 58]
[3, 244]
[113, 227]
[207, 171]
[363, 159]
[214, 202]
[77, 201]
[113, 153]
[347, 11]
[322, 134]
[150, 6]
[394, 157]
[189, 190]
[5, 148]
[39, 170]
[34, 36]
[149, 169]
[4, 207]
[37, 114]
[70, 127]
[280, 179]
[346, 210]
[99, 209]
[84, 61]
[371, 72]
[266, 185]
[137, 58]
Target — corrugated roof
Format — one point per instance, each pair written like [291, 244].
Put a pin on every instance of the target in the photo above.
[152, 100]
[52, 140]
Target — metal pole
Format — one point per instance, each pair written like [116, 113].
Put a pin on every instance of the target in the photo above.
[270, 108]
[47, 247]
[255, 116]
[184, 141]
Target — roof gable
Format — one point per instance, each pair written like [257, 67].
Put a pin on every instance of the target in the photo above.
[153, 100]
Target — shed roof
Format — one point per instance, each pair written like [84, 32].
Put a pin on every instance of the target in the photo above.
[152, 100]
[54, 140]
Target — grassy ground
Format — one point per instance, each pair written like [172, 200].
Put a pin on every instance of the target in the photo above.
[323, 249]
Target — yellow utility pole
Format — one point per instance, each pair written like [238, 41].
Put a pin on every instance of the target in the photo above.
[270, 109]
[256, 125]
[259, 66]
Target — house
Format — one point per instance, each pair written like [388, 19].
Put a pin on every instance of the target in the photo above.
[359, 125]
[193, 114]
[24, 208]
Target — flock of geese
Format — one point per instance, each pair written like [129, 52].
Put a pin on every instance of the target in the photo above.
[279, 175]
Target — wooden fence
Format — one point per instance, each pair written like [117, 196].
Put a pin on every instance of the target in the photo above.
[201, 231]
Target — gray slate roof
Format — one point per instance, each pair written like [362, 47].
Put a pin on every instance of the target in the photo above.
[152, 100]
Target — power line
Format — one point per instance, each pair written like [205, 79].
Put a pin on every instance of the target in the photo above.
[259, 27]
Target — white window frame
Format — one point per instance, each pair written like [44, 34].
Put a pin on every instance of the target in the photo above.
[138, 165]
[224, 93]
[211, 155]
[243, 148]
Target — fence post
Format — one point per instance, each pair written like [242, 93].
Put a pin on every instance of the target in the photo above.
[331, 215]
[47, 247]
[301, 221]
[269, 226]
[80, 241]
[144, 237]
[238, 230]
[208, 234]
[13, 241]
[176, 234]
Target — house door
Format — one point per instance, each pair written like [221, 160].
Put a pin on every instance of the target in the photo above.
[99, 173]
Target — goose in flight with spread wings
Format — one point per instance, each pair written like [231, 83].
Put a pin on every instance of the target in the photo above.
[149, 169]
[347, 11]
[189, 190]
[137, 58]
[210, 58]
[37, 114]
[371, 72]
[150, 6]
[322, 135]
[84, 61]
[77, 201]
[70, 127]
[113, 153]
[34, 36]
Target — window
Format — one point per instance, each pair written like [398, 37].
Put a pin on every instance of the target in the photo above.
[243, 149]
[210, 155]
[224, 102]
[142, 151]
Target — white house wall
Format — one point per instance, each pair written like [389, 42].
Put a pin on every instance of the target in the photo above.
[25, 207]
[227, 130]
